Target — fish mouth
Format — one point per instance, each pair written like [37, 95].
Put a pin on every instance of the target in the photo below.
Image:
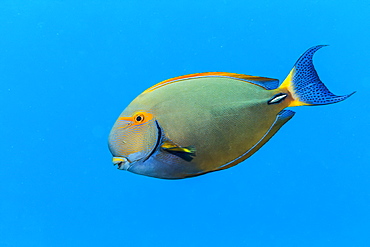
[122, 163]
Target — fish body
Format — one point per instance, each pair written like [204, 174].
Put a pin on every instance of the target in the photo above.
[200, 123]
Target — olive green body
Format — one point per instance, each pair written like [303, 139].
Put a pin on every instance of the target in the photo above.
[198, 123]
[221, 117]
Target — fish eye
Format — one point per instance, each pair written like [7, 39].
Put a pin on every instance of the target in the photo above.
[139, 118]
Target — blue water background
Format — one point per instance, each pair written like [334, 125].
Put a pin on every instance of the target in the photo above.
[68, 69]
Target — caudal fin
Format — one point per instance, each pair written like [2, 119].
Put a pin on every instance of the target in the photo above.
[305, 86]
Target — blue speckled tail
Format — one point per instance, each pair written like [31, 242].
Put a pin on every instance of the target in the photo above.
[306, 84]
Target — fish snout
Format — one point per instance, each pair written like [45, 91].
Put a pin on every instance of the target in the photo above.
[122, 162]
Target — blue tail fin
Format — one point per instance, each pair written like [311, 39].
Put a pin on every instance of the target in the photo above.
[305, 85]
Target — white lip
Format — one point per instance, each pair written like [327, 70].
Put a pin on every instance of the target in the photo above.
[123, 163]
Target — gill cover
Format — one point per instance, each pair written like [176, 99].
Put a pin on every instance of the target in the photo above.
[134, 137]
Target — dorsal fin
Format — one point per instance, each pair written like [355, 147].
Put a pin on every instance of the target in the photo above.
[267, 83]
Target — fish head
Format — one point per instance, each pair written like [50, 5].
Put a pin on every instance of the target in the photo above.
[133, 138]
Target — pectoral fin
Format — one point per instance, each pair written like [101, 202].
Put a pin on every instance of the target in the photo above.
[186, 153]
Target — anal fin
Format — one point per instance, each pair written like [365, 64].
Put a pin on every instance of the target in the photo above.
[283, 117]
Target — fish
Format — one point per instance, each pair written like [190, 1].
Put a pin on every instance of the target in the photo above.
[199, 123]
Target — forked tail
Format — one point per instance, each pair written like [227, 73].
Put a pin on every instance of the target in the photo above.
[305, 86]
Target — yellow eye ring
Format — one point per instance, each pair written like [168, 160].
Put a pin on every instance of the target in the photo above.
[139, 118]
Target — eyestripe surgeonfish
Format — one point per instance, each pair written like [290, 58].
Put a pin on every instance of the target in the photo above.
[200, 123]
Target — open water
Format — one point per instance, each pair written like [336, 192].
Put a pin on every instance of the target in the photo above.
[68, 69]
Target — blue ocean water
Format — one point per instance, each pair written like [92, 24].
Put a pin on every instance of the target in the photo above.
[68, 69]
